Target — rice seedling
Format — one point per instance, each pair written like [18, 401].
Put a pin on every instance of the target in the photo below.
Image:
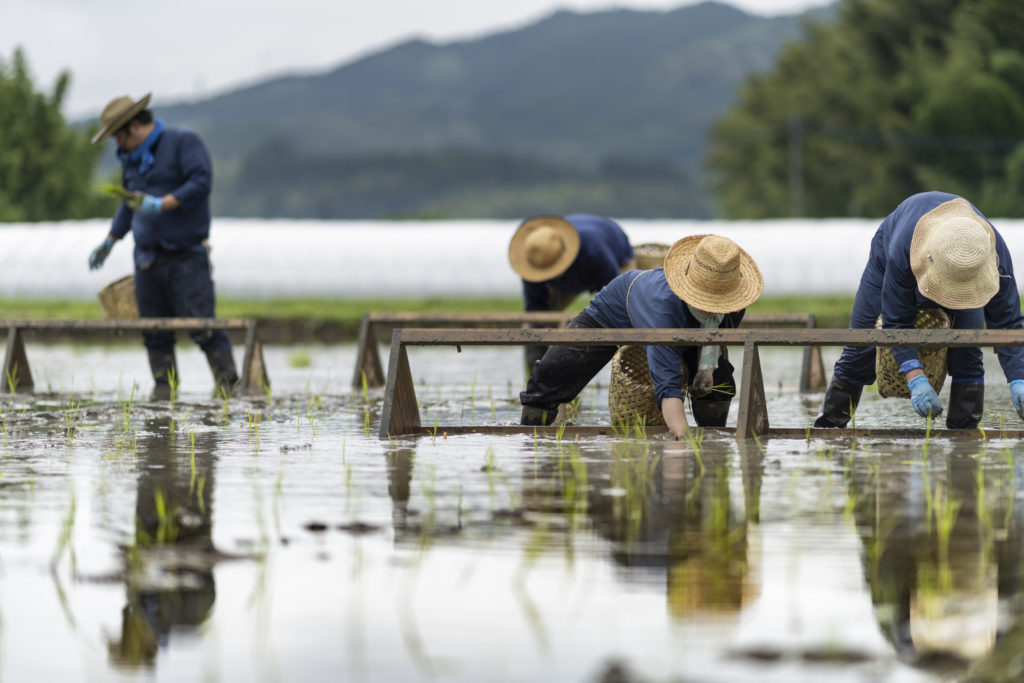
[311, 418]
[12, 378]
[175, 383]
[64, 544]
[167, 527]
[300, 359]
[265, 386]
[72, 418]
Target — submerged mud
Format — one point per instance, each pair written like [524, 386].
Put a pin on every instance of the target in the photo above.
[275, 536]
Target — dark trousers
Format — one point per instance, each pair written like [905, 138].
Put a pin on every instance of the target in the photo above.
[562, 373]
[178, 285]
[857, 365]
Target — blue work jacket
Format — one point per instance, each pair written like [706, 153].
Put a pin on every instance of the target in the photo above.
[604, 249]
[651, 303]
[182, 167]
[889, 267]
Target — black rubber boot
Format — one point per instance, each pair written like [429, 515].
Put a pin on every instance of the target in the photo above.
[709, 413]
[531, 354]
[538, 416]
[165, 371]
[966, 404]
[225, 376]
[840, 404]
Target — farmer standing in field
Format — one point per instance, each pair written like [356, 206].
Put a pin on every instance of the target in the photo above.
[707, 282]
[560, 258]
[936, 250]
[168, 173]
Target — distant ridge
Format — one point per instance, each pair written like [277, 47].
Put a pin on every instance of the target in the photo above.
[570, 91]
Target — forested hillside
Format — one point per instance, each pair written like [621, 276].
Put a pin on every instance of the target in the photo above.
[605, 112]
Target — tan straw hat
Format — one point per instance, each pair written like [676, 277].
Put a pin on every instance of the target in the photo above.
[118, 112]
[543, 248]
[713, 274]
[953, 256]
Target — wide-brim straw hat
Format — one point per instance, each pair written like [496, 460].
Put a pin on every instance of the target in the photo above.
[953, 256]
[117, 113]
[543, 248]
[713, 274]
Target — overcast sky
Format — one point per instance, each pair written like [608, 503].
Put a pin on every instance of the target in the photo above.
[186, 49]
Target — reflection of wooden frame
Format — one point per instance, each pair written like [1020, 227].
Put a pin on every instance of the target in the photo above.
[253, 379]
[401, 412]
[368, 365]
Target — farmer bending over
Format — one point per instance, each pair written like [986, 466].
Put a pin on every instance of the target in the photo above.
[934, 251]
[560, 258]
[707, 282]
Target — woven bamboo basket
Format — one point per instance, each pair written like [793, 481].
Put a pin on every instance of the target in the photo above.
[118, 299]
[650, 255]
[631, 390]
[891, 382]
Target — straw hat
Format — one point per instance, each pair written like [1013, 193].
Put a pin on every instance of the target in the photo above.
[953, 256]
[118, 112]
[713, 274]
[543, 248]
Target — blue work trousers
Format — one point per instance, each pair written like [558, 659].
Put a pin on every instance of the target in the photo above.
[177, 285]
[856, 365]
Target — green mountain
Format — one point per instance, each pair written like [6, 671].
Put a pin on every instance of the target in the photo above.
[606, 112]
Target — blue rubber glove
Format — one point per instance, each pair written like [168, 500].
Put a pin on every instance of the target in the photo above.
[923, 397]
[145, 204]
[1017, 393]
[99, 254]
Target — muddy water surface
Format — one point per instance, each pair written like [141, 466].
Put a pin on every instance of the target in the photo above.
[276, 538]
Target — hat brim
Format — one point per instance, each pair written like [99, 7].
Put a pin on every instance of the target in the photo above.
[124, 118]
[745, 293]
[975, 294]
[517, 248]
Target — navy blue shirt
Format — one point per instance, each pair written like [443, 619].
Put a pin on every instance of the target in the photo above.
[889, 268]
[651, 303]
[182, 167]
[604, 249]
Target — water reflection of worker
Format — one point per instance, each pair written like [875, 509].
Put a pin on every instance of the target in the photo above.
[169, 171]
[942, 555]
[560, 258]
[936, 250]
[680, 516]
[169, 570]
[707, 282]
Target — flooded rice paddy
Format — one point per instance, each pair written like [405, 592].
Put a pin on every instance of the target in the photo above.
[276, 538]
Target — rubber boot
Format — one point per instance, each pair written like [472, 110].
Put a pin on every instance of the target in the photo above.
[966, 403]
[709, 413]
[225, 376]
[165, 372]
[840, 404]
[538, 416]
[531, 354]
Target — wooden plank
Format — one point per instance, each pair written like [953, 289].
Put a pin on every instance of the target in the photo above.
[401, 414]
[125, 324]
[17, 374]
[801, 434]
[752, 420]
[732, 337]
[255, 381]
[367, 358]
[812, 370]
